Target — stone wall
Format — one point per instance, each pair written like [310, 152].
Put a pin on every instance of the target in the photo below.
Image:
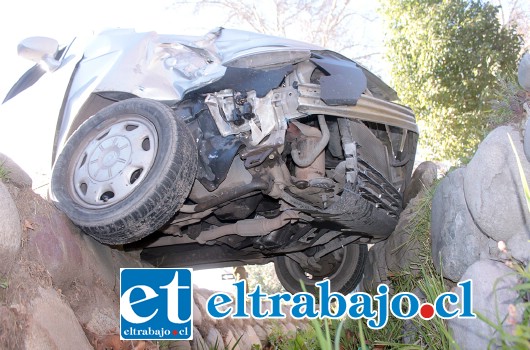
[480, 228]
[59, 288]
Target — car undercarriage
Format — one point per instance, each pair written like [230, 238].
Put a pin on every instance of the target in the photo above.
[233, 148]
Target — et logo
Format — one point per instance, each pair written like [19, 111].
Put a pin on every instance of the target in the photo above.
[156, 304]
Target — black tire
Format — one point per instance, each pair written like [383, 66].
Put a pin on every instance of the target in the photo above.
[344, 277]
[139, 201]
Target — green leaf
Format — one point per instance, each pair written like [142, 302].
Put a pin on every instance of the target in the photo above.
[446, 57]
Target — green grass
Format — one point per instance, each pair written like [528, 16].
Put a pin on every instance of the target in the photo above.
[301, 340]
[519, 338]
[506, 104]
[350, 334]
[422, 275]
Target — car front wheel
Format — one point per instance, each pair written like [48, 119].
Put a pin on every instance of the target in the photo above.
[125, 171]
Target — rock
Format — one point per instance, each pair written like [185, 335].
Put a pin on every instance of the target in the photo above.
[493, 284]
[103, 321]
[239, 322]
[251, 336]
[423, 178]
[214, 338]
[409, 329]
[87, 272]
[409, 332]
[56, 245]
[104, 255]
[242, 336]
[492, 182]
[262, 334]
[12, 328]
[197, 315]
[401, 250]
[523, 72]
[230, 340]
[52, 324]
[291, 329]
[234, 339]
[10, 230]
[456, 240]
[198, 342]
[375, 270]
[180, 345]
[519, 247]
[283, 328]
[200, 300]
[286, 310]
[16, 175]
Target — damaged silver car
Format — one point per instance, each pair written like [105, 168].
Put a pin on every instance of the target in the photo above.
[232, 148]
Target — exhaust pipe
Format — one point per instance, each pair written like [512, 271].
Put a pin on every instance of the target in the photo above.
[249, 227]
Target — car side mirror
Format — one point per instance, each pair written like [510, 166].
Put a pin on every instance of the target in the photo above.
[41, 50]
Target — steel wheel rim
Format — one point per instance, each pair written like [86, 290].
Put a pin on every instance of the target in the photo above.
[113, 161]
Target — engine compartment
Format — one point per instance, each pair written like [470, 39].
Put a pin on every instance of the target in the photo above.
[273, 177]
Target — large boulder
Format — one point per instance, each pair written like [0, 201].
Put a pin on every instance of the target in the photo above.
[518, 246]
[85, 271]
[456, 241]
[198, 343]
[375, 271]
[232, 340]
[10, 230]
[493, 297]
[251, 337]
[262, 334]
[12, 328]
[402, 248]
[422, 179]
[15, 174]
[523, 72]
[180, 345]
[493, 187]
[52, 324]
[214, 338]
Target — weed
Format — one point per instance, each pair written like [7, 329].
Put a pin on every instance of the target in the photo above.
[422, 276]
[506, 107]
[519, 336]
